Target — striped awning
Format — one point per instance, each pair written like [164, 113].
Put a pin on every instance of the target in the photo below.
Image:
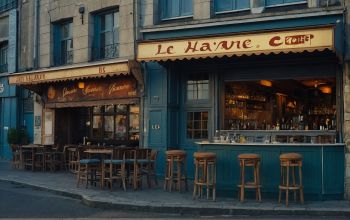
[73, 72]
[273, 42]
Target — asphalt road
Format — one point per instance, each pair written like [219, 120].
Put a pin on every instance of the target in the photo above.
[17, 201]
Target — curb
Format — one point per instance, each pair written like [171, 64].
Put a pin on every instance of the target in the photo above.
[163, 208]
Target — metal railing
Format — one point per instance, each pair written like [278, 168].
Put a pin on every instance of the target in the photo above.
[105, 52]
[3, 68]
[7, 4]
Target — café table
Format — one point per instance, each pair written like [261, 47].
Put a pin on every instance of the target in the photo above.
[32, 148]
[103, 153]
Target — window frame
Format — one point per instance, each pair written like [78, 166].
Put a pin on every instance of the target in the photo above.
[285, 4]
[58, 40]
[229, 11]
[98, 32]
[188, 78]
[4, 51]
[165, 17]
[193, 129]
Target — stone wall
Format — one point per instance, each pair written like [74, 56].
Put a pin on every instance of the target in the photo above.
[56, 10]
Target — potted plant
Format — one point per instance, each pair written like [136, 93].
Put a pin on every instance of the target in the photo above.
[13, 137]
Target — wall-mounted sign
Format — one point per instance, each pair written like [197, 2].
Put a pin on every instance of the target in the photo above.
[244, 44]
[37, 121]
[103, 89]
[2, 88]
[70, 73]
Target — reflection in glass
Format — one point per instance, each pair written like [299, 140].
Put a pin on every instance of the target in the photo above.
[120, 127]
[109, 125]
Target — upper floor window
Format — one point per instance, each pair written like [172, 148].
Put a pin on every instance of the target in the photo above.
[231, 5]
[7, 4]
[197, 87]
[3, 58]
[106, 38]
[63, 43]
[282, 2]
[176, 8]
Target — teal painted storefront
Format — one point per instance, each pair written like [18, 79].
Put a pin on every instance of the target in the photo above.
[166, 106]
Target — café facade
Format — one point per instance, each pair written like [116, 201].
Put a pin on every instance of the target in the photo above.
[96, 103]
[270, 87]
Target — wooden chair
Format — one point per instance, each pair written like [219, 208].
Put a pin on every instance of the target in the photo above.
[39, 158]
[150, 169]
[114, 168]
[87, 168]
[54, 157]
[138, 160]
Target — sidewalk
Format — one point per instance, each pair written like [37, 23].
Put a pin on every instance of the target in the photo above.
[156, 200]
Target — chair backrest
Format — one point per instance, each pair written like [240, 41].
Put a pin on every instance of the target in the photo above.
[154, 154]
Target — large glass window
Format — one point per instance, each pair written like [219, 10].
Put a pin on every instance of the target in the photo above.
[231, 5]
[281, 2]
[197, 125]
[63, 50]
[299, 104]
[106, 39]
[119, 122]
[3, 58]
[176, 8]
[197, 87]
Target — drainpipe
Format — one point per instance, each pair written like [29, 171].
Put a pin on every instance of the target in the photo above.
[36, 35]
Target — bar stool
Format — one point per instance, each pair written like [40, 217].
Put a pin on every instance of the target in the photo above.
[175, 163]
[249, 160]
[291, 160]
[205, 174]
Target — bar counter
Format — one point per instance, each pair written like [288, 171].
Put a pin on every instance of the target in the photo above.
[323, 167]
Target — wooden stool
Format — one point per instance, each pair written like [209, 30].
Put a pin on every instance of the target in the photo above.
[205, 174]
[175, 162]
[249, 160]
[290, 160]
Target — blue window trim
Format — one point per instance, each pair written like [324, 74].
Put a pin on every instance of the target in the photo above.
[57, 41]
[3, 49]
[286, 4]
[97, 33]
[229, 11]
[162, 8]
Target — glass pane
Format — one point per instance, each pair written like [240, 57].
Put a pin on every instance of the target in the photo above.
[120, 127]
[96, 109]
[197, 135]
[186, 7]
[242, 4]
[197, 116]
[205, 135]
[109, 108]
[109, 125]
[224, 5]
[190, 116]
[273, 2]
[134, 122]
[135, 109]
[122, 109]
[96, 126]
[197, 125]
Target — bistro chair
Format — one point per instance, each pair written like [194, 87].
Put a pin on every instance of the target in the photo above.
[139, 160]
[39, 158]
[87, 168]
[54, 156]
[114, 168]
[27, 158]
[249, 160]
[150, 169]
[71, 158]
[288, 163]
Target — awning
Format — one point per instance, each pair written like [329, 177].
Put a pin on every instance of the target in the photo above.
[297, 40]
[75, 72]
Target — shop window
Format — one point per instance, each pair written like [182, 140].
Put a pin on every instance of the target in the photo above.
[7, 5]
[282, 2]
[197, 87]
[63, 43]
[171, 9]
[3, 58]
[222, 6]
[197, 125]
[298, 104]
[119, 122]
[106, 38]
